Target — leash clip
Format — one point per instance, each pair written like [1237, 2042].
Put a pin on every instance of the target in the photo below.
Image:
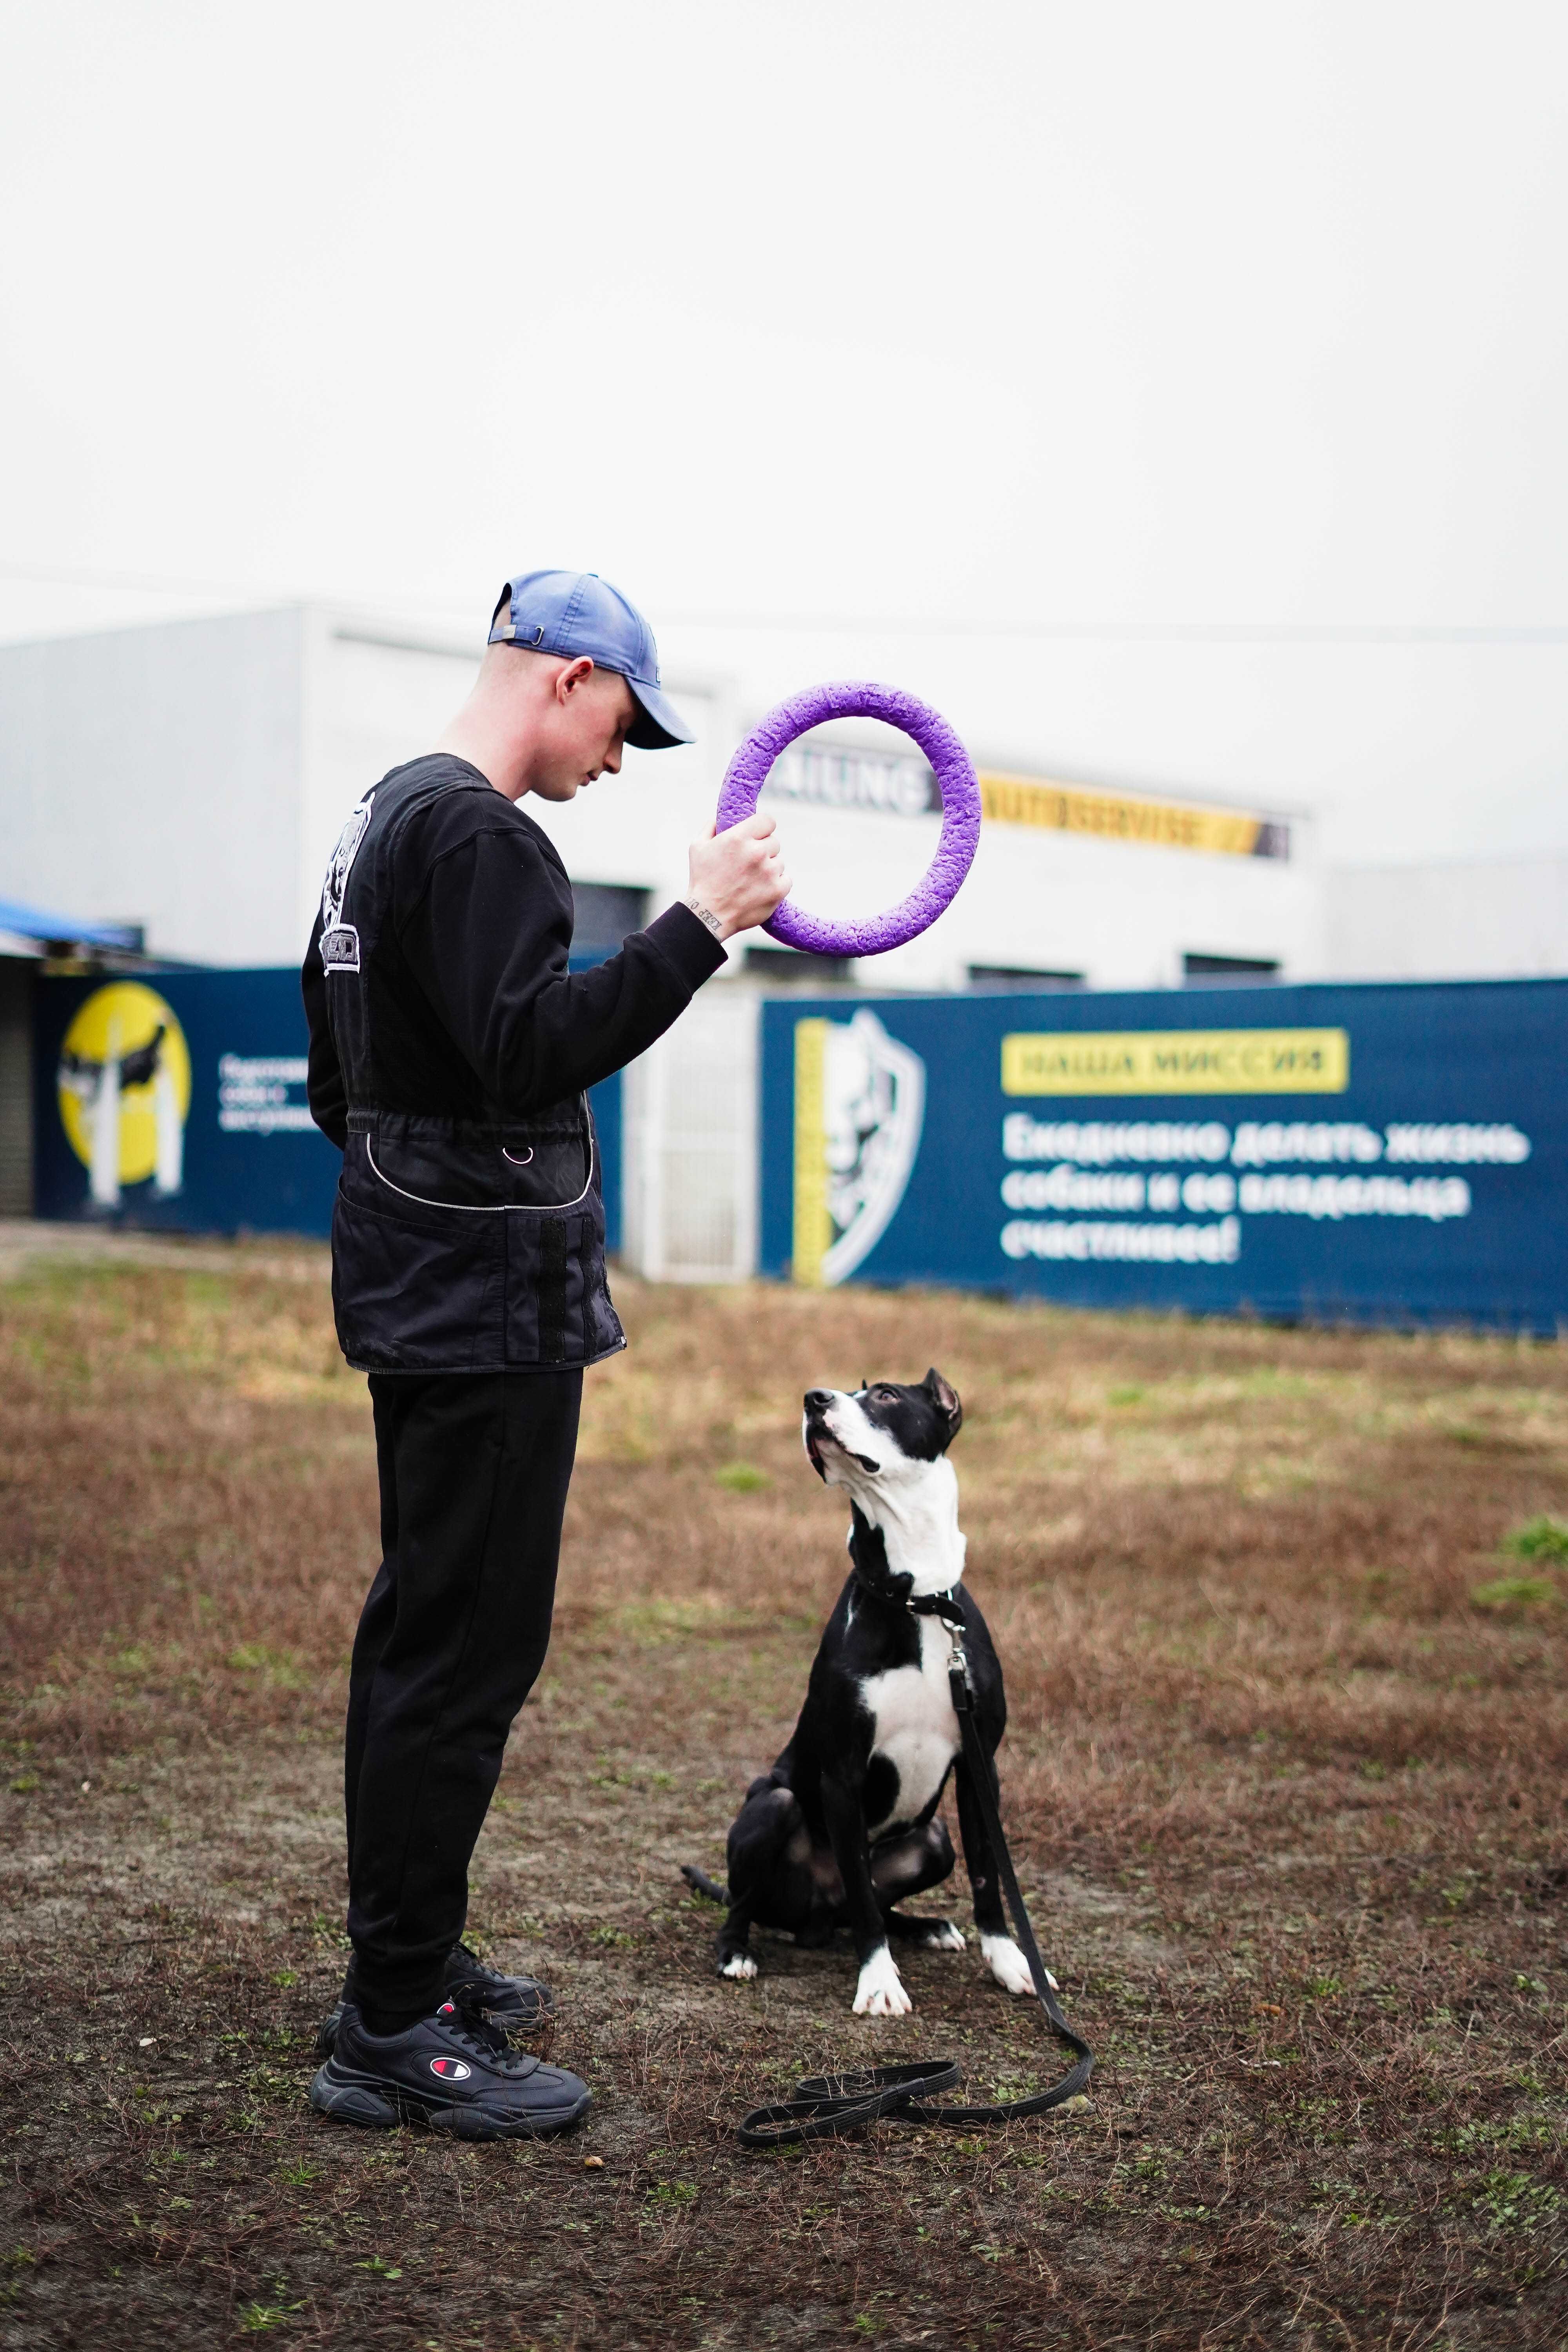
[959, 1679]
[945, 1608]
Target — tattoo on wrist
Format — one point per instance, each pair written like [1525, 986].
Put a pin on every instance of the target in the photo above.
[706, 915]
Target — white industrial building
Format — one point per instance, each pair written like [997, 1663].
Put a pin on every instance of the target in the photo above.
[189, 779]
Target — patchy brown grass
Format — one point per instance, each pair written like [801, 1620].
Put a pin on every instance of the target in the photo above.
[1289, 1799]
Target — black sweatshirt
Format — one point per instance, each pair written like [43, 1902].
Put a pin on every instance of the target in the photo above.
[470, 1005]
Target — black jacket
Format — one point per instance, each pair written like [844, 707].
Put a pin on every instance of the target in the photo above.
[450, 1054]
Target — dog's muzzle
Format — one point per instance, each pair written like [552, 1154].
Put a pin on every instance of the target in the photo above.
[816, 1434]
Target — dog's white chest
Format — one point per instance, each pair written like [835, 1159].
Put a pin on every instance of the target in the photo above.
[915, 1726]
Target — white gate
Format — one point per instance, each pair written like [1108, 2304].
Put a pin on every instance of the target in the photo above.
[690, 1110]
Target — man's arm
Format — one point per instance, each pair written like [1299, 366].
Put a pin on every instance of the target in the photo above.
[325, 1090]
[487, 939]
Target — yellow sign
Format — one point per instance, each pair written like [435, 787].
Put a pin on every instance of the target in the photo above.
[813, 1225]
[1116, 817]
[124, 1090]
[1174, 1062]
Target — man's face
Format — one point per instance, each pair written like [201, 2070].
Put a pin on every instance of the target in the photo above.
[584, 732]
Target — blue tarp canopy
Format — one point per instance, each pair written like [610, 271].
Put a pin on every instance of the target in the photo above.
[38, 923]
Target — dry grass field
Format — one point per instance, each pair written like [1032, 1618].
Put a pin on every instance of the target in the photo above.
[1285, 1775]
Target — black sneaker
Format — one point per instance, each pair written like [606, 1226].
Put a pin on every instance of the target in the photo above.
[451, 2071]
[513, 2002]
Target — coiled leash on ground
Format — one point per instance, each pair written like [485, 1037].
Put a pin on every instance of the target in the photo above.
[825, 2105]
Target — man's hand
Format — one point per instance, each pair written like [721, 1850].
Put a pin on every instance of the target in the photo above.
[738, 877]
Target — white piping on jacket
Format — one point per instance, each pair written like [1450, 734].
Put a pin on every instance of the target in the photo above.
[487, 1208]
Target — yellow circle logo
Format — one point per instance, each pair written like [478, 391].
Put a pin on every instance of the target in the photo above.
[124, 1085]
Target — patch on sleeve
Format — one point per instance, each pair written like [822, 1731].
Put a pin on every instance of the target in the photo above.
[339, 948]
[339, 940]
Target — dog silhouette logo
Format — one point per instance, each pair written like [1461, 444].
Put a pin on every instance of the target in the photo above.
[123, 1084]
[859, 1107]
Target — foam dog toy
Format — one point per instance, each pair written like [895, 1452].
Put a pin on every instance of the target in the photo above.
[956, 782]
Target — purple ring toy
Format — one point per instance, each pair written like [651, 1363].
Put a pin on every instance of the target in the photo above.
[955, 779]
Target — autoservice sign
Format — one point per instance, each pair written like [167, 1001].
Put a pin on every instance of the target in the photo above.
[1395, 1153]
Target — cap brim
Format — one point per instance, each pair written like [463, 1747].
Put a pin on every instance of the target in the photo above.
[659, 726]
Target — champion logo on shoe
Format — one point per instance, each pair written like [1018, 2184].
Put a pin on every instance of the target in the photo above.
[451, 2070]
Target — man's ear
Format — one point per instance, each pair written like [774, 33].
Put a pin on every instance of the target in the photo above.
[576, 672]
[946, 1397]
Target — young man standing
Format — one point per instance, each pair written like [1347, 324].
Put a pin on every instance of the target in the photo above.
[451, 1055]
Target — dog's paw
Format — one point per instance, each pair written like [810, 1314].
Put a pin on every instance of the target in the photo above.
[1008, 1966]
[880, 1992]
[740, 1968]
[945, 1937]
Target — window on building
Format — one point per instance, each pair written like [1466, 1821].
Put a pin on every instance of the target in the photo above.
[792, 968]
[606, 914]
[1228, 971]
[1021, 979]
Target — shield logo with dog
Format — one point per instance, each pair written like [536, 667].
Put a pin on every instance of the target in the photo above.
[859, 1105]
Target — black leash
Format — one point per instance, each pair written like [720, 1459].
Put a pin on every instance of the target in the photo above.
[825, 2105]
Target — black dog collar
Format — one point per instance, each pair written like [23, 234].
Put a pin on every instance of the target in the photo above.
[945, 1605]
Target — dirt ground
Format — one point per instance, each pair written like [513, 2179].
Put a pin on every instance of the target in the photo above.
[1285, 1775]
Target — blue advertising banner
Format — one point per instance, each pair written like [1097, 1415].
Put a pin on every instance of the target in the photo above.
[1376, 1153]
[178, 1100]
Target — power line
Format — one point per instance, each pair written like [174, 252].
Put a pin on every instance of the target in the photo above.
[1138, 632]
[1328, 633]
[59, 575]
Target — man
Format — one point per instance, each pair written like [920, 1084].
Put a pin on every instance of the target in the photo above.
[451, 1055]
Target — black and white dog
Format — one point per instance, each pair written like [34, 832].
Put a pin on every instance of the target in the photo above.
[846, 1824]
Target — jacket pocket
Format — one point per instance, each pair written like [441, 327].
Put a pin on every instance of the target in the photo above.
[421, 1292]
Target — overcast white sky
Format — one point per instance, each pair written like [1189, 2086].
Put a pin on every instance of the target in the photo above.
[1193, 333]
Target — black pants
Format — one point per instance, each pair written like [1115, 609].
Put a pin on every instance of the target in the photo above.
[474, 1471]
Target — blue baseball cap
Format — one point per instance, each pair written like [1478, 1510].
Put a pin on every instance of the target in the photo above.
[574, 613]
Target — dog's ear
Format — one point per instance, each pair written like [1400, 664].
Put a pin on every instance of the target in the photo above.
[945, 1397]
